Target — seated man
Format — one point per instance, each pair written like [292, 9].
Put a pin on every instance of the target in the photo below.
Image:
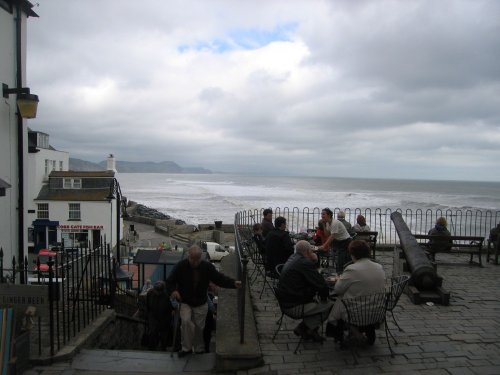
[361, 278]
[279, 245]
[300, 284]
[267, 222]
[439, 244]
[347, 225]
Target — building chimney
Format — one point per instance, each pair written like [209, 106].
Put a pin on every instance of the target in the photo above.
[111, 165]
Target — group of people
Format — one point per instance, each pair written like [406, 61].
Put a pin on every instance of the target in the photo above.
[300, 283]
[275, 245]
[186, 289]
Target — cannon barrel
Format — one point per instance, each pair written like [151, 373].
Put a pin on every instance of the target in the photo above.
[423, 273]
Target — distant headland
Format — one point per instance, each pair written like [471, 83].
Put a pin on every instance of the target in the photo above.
[136, 167]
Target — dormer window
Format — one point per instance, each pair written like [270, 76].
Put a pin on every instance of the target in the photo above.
[72, 183]
[42, 140]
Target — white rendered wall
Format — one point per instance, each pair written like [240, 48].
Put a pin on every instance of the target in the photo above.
[37, 178]
[93, 215]
[8, 137]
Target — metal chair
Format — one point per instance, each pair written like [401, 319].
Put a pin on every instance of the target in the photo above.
[398, 285]
[295, 313]
[364, 314]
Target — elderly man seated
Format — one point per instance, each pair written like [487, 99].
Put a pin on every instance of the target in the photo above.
[300, 284]
[361, 278]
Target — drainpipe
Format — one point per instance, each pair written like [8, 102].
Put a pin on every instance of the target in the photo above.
[20, 150]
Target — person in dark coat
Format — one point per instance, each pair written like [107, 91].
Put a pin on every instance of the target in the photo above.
[267, 222]
[279, 245]
[301, 284]
[441, 242]
[188, 283]
[159, 310]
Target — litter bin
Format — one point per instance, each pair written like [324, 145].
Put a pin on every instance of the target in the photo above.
[218, 224]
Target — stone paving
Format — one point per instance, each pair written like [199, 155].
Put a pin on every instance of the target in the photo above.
[462, 338]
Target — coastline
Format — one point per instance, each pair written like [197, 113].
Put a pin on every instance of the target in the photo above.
[155, 228]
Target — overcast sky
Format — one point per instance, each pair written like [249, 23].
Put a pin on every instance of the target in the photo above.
[390, 89]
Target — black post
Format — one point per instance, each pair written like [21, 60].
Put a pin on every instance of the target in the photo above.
[1, 264]
[50, 263]
[118, 215]
[242, 301]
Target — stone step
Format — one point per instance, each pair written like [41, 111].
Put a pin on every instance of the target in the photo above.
[141, 362]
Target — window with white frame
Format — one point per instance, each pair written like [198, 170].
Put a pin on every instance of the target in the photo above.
[60, 165]
[72, 183]
[74, 211]
[42, 211]
[47, 167]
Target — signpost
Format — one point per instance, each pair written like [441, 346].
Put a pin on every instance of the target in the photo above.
[20, 297]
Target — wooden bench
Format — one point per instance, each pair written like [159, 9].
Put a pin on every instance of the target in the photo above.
[457, 244]
[370, 237]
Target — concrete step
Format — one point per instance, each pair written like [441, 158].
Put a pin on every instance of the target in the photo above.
[141, 362]
[128, 362]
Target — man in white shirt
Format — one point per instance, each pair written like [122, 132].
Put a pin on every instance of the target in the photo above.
[338, 239]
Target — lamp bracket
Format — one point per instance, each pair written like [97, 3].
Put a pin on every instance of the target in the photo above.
[6, 91]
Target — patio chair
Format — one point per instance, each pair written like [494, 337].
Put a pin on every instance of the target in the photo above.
[295, 313]
[398, 285]
[260, 267]
[364, 315]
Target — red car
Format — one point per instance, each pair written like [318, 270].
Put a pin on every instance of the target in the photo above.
[43, 257]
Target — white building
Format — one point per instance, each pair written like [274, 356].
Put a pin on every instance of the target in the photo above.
[13, 134]
[79, 209]
[42, 160]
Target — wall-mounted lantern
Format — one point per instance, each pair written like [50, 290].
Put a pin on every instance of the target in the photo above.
[26, 103]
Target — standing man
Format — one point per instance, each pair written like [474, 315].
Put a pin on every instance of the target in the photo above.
[188, 284]
[339, 239]
[267, 222]
[301, 284]
[279, 245]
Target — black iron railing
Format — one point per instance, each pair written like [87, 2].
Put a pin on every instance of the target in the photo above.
[81, 284]
[460, 222]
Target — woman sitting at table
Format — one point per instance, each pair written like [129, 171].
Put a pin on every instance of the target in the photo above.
[362, 277]
[320, 236]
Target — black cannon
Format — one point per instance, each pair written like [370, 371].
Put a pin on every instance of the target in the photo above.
[425, 284]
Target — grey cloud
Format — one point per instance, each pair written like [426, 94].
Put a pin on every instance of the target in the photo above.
[373, 89]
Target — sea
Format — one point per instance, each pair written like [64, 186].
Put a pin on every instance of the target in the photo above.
[205, 198]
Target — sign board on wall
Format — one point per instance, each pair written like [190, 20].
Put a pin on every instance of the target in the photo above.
[20, 297]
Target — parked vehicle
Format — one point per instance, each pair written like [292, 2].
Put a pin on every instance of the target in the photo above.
[215, 252]
[43, 257]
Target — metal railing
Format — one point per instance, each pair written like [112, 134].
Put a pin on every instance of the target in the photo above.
[460, 222]
[80, 284]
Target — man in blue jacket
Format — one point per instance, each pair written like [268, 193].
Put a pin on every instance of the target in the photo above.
[188, 284]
